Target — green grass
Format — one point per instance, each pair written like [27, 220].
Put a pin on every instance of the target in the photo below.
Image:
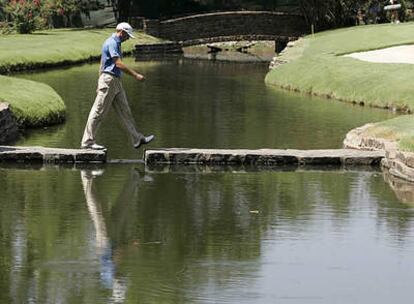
[54, 47]
[36, 104]
[317, 67]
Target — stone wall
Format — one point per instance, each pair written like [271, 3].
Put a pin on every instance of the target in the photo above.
[159, 48]
[8, 126]
[396, 163]
[357, 139]
[227, 24]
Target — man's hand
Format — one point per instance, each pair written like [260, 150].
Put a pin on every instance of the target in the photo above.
[124, 68]
[139, 77]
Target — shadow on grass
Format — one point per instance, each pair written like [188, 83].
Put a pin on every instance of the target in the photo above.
[43, 34]
[97, 30]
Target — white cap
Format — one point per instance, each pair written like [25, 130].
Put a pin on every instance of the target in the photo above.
[124, 26]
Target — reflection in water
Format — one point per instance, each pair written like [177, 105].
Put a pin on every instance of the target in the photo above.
[108, 276]
[19, 253]
[202, 237]
[404, 190]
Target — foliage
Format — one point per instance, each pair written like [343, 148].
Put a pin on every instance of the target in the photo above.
[70, 7]
[168, 8]
[25, 14]
[324, 14]
[30, 15]
[5, 27]
[2, 12]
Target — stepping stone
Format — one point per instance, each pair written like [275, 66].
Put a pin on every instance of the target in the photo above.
[50, 155]
[269, 157]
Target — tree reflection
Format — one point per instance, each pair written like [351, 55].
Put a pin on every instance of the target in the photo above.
[125, 235]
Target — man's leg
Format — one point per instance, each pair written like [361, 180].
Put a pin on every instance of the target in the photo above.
[105, 95]
[123, 110]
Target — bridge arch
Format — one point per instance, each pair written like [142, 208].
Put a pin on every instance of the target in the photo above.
[225, 26]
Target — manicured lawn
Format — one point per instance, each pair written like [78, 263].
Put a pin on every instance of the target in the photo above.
[36, 104]
[57, 46]
[316, 66]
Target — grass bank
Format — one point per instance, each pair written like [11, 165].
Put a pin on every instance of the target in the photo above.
[316, 65]
[36, 104]
[57, 47]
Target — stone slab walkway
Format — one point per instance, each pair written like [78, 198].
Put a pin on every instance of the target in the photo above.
[50, 155]
[267, 157]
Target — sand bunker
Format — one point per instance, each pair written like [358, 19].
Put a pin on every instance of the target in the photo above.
[398, 54]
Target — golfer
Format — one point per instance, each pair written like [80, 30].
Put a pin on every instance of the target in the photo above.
[111, 93]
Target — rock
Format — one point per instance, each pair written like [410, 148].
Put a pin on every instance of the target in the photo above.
[397, 163]
[8, 126]
[50, 155]
[263, 157]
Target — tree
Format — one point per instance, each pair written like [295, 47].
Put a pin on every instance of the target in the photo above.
[2, 12]
[324, 14]
[168, 8]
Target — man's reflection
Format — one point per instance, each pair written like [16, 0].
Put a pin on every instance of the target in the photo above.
[108, 276]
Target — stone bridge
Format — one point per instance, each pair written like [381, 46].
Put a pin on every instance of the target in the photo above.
[229, 26]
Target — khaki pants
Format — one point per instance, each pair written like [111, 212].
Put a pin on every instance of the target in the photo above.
[110, 92]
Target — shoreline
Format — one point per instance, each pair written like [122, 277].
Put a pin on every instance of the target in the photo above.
[304, 68]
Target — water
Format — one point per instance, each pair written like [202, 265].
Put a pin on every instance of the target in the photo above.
[74, 236]
[202, 104]
[127, 234]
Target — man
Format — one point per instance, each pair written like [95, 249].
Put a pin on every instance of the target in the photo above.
[110, 92]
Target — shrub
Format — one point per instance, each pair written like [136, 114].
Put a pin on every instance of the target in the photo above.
[30, 15]
[325, 14]
[25, 15]
[5, 28]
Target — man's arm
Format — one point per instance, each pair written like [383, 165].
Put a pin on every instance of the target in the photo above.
[120, 65]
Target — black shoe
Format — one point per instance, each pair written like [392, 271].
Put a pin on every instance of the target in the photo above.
[145, 140]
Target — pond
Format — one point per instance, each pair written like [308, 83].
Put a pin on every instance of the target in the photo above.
[125, 234]
[202, 104]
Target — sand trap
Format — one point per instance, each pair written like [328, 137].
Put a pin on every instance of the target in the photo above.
[397, 54]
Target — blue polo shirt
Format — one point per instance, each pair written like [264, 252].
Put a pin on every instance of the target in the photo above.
[111, 49]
